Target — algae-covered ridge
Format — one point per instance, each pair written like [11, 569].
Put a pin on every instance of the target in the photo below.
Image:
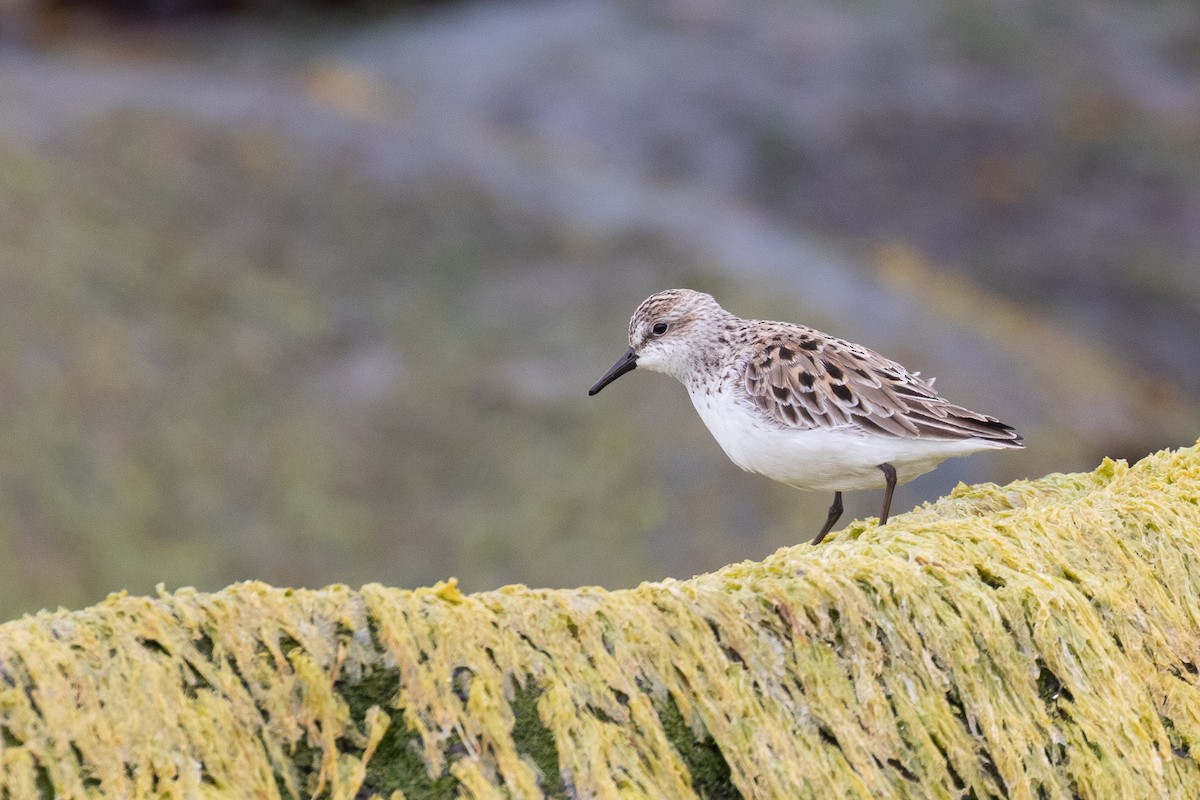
[1037, 640]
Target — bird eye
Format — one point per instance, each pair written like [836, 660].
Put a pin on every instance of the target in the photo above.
[659, 328]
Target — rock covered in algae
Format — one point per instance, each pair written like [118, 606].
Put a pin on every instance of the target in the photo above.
[1038, 640]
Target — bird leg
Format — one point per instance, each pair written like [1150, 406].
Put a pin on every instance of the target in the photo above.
[889, 472]
[835, 511]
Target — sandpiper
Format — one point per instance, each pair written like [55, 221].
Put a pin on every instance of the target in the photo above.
[799, 406]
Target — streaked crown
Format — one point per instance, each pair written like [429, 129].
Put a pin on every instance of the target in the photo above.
[672, 330]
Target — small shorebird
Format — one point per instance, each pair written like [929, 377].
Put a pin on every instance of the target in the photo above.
[800, 406]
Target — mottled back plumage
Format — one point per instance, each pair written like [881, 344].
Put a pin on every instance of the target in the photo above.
[802, 378]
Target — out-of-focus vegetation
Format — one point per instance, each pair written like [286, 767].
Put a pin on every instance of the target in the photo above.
[314, 306]
[51, 17]
[330, 382]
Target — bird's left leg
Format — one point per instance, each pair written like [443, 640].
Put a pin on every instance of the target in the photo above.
[835, 511]
[889, 473]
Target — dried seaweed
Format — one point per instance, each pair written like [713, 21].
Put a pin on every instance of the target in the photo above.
[1038, 640]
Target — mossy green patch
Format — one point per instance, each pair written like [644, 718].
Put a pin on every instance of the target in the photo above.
[536, 740]
[398, 765]
[705, 763]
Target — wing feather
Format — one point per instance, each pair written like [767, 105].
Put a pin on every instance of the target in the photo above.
[801, 378]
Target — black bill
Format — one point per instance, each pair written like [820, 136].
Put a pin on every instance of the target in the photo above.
[623, 365]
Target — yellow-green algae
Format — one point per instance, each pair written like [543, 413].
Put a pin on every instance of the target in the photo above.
[1038, 640]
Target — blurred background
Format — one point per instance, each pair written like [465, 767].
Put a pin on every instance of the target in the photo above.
[313, 293]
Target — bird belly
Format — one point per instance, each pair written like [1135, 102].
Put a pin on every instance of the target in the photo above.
[837, 459]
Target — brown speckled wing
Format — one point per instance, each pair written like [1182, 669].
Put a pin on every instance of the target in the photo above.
[802, 378]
